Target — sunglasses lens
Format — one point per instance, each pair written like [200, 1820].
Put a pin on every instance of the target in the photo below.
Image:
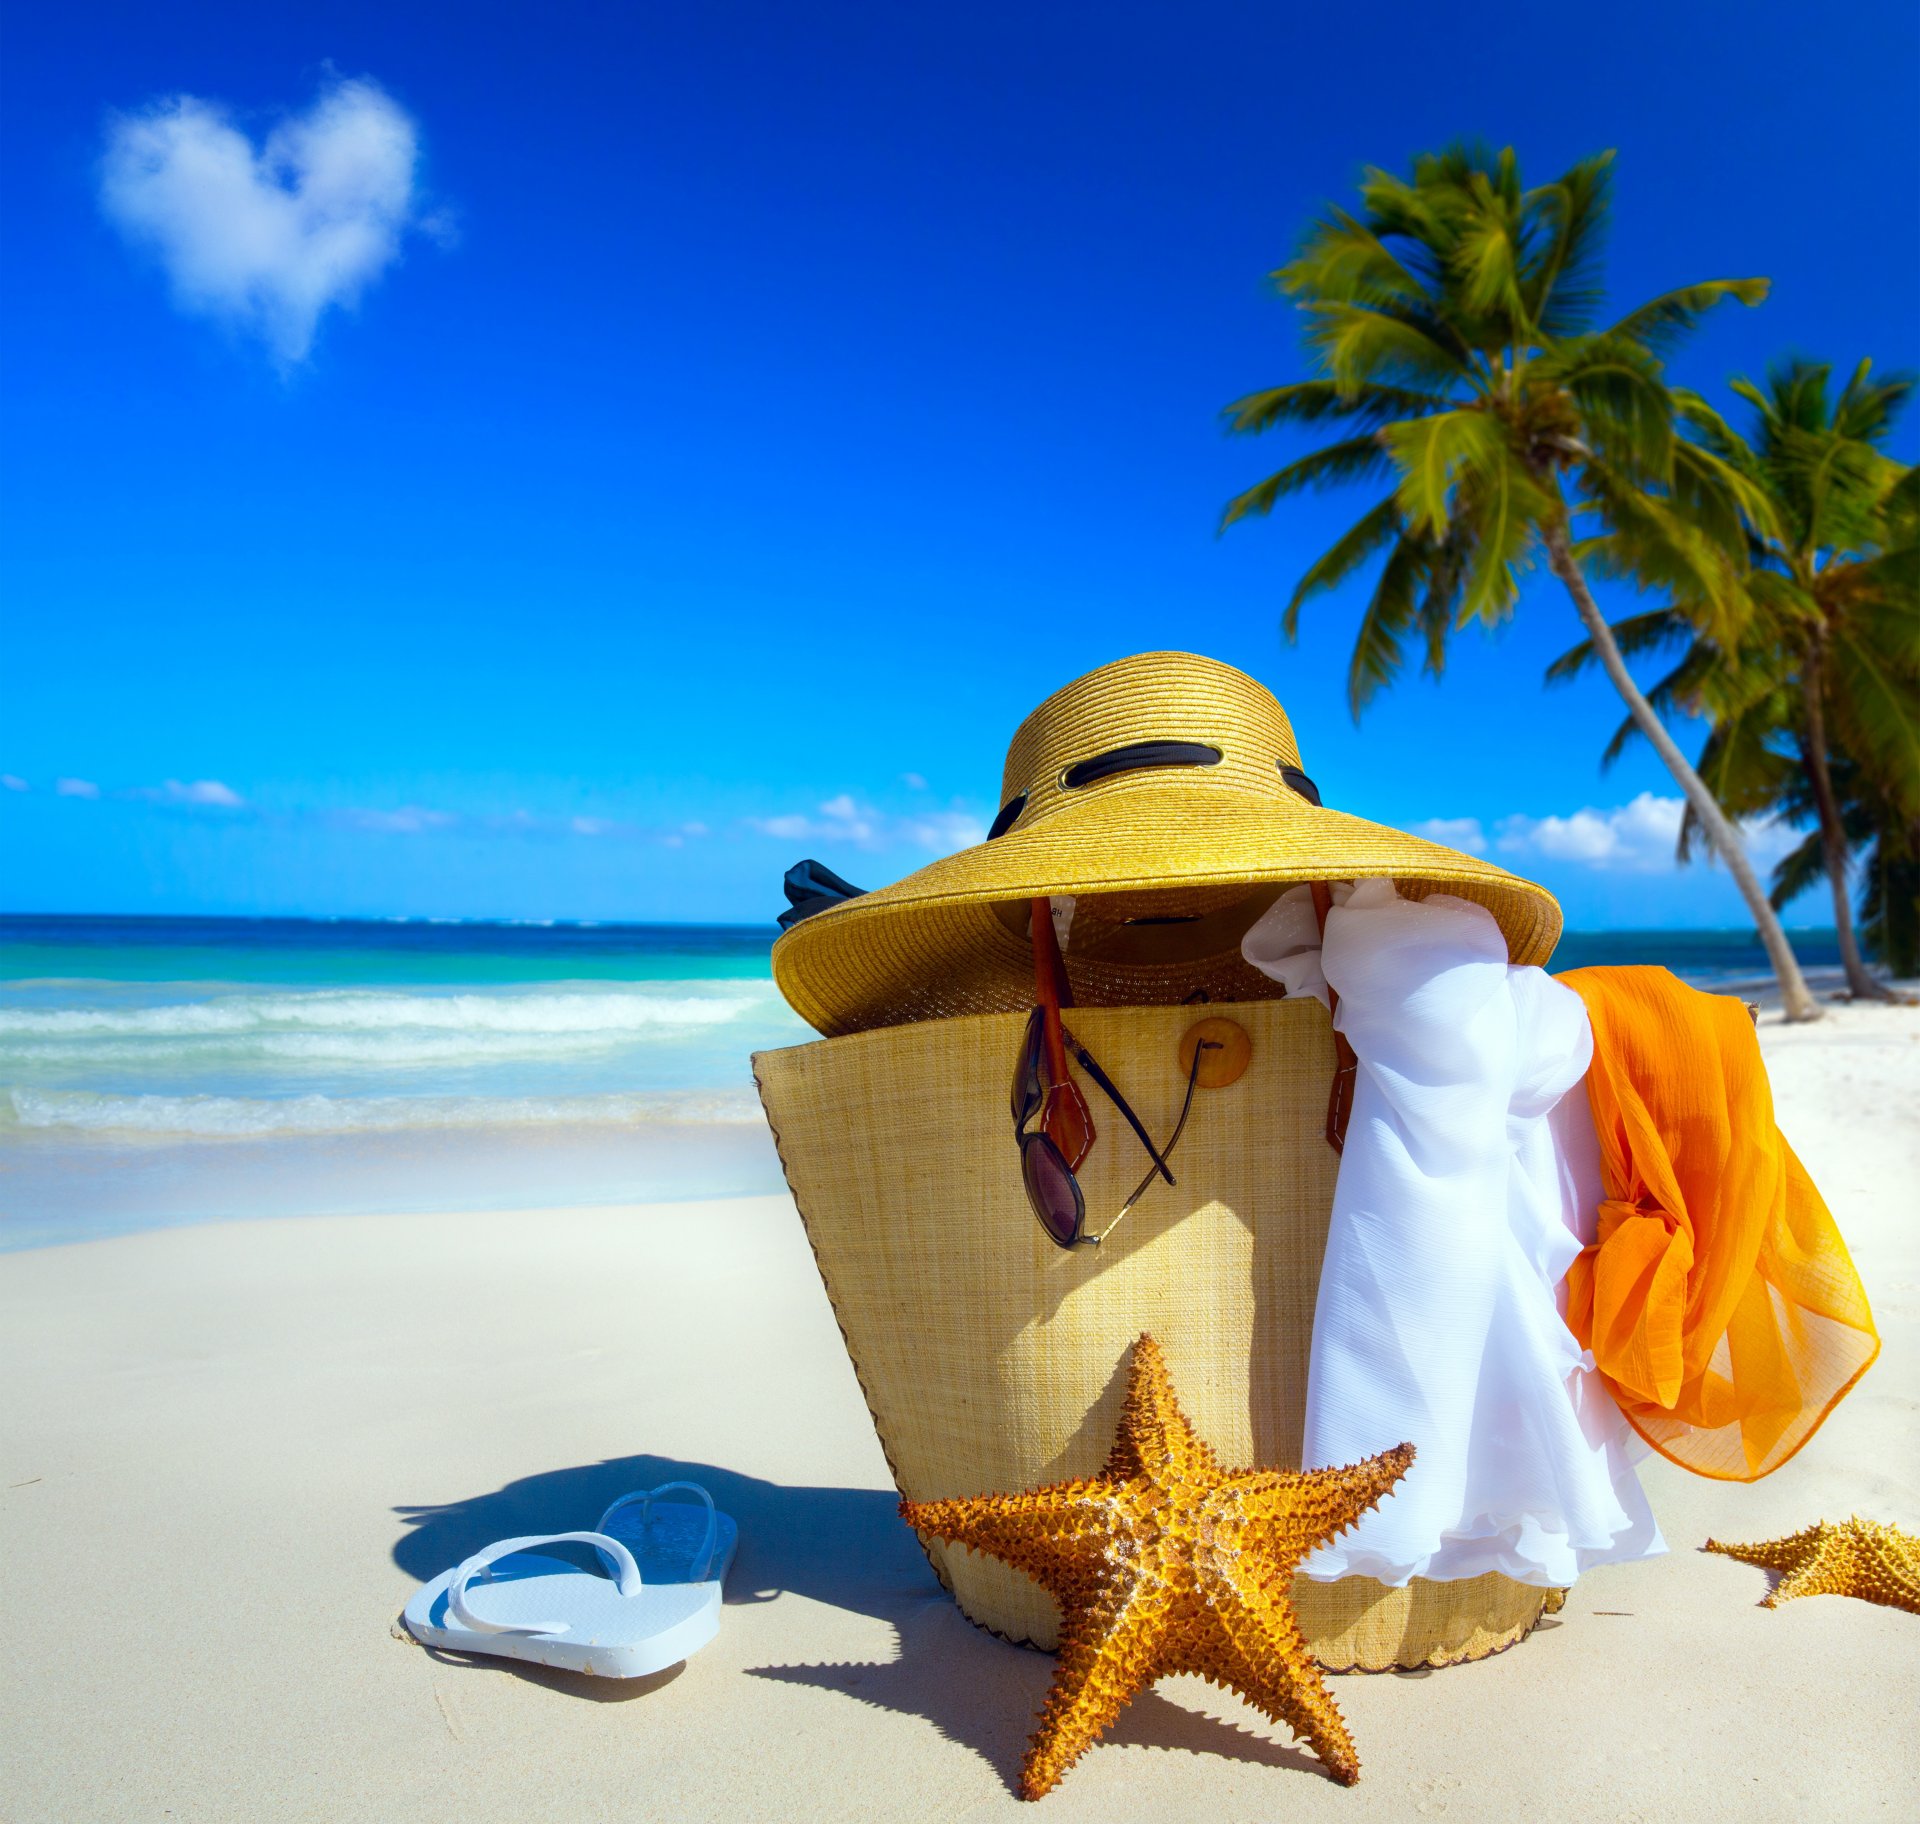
[1028, 1088]
[1051, 1190]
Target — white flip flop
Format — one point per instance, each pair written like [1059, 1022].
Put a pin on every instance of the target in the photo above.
[658, 1603]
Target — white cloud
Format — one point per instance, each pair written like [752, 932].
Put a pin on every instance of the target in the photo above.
[401, 820]
[199, 791]
[1455, 832]
[12, 782]
[1635, 838]
[788, 829]
[420, 820]
[914, 782]
[266, 239]
[840, 819]
[844, 821]
[942, 831]
[407, 820]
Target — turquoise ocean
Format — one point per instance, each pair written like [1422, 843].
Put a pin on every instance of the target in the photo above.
[156, 1071]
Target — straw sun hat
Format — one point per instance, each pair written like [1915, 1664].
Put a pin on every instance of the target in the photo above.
[1164, 794]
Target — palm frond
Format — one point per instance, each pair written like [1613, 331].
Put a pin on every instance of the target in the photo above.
[1742, 765]
[1376, 649]
[1624, 410]
[1662, 323]
[1421, 213]
[1487, 268]
[1902, 499]
[1892, 578]
[1713, 432]
[1721, 499]
[1562, 287]
[1376, 527]
[1797, 395]
[1502, 508]
[1876, 712]
[1678, 691]
[1636, 634]
[1432, 454]
[1657, 548]
[1753, 395]
[1447, 565]
[1797, 870]
[1355, 459]
[1869, 411]
[1320, 402]
[1890, 897]
[1358, 345]
[1849, 499]
[1342, 258]
[1866, 409]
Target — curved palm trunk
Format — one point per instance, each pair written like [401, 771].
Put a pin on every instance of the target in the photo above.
[1796, 1000]
[1861, 984]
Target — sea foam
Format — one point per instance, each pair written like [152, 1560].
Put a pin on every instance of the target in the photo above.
[337, 1030]
[599, 1010]
[238, 1117]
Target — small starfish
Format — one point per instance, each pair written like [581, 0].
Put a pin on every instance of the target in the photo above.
[1165, 1563]
[1856, 1558]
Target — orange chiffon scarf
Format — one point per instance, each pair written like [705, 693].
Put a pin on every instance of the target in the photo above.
[1718, 1299]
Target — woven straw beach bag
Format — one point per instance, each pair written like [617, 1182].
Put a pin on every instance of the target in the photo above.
[992, 1360]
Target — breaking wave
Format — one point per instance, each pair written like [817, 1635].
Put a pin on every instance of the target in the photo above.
[356, 1030]
[214, 1117]
[346, 1010]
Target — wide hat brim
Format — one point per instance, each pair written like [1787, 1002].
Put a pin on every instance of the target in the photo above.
[950, 940]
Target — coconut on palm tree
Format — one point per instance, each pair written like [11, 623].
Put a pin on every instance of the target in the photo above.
[1455, 324]
[1824, 670]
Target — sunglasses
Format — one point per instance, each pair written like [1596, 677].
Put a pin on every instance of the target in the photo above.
[1046, 1165]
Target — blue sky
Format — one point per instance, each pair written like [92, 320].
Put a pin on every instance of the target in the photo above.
[764, 406]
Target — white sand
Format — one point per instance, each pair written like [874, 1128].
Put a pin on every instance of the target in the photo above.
[231, 1451]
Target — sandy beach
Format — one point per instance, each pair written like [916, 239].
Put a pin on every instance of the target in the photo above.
[231, 1451]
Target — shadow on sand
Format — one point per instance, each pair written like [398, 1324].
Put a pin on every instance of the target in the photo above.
[986, 1694]
[843, 1546]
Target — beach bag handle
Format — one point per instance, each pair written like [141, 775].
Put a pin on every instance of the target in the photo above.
[1345, 1063]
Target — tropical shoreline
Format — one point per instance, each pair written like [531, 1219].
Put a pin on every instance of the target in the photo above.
[234, 1450]
[161, 1071]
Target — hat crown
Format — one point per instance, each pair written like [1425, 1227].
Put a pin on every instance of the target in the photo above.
[1151, 697]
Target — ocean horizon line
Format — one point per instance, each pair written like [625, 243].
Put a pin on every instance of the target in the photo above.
[768, 927]
[375, 920]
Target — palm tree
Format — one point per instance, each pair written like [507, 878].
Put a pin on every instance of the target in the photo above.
[1890, 903]
[1827, 662]
[1452, 325]
[1889, 843]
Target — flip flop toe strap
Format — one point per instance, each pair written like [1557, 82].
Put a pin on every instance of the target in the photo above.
[702, 1561]
[619, 1561]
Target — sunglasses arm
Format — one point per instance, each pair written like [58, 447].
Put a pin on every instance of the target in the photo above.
[1113, 1095]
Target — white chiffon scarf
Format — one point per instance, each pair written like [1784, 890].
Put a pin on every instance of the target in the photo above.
[1470, 1180]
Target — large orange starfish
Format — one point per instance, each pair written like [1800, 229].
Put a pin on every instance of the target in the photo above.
[1856, 1558]
[1165, 1562]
